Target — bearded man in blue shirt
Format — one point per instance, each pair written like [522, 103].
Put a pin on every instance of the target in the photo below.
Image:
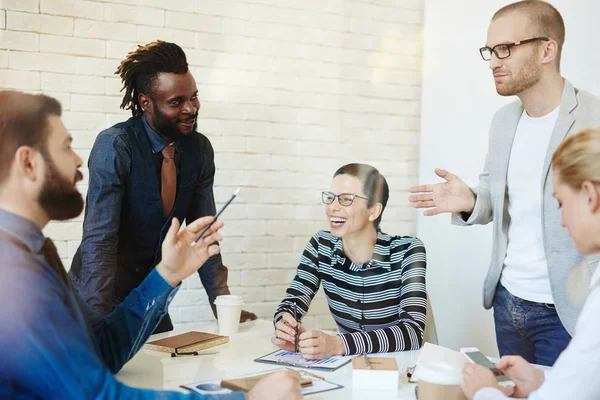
[53, 345]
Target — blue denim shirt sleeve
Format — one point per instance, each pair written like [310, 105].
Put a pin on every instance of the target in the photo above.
[46, 350]
[213, 273]
[110, 161]
[122, 333]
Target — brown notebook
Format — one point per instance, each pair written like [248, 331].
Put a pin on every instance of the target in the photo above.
[246, 384]
[187, 342]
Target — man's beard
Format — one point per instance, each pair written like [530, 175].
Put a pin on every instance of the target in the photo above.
[58, 198]
[168, 128]
[528, 76]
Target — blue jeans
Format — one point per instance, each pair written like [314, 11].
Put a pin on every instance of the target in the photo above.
[528, 329]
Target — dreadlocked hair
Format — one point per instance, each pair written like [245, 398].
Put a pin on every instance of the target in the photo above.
[140, 69]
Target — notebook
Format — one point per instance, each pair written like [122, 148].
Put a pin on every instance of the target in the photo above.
[246, 384]
[187, 342]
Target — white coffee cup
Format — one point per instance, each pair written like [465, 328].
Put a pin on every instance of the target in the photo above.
[229, 309]
[439, 381]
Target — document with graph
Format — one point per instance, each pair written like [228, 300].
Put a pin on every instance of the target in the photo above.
[291, 359]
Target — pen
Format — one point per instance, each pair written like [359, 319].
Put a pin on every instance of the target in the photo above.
[296, 328]
[193, 353]
[294, 363]
[302, 372]
[367, 362]
[216, 216]
[312, 375]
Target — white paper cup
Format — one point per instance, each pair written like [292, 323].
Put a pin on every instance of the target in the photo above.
[229, 309]
[439, 381]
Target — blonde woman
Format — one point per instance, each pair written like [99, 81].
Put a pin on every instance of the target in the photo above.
[576, 182]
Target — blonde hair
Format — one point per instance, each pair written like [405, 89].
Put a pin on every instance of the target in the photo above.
[577, 159]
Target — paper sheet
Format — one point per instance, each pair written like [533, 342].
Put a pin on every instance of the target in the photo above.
[434, 353]
[296, 360]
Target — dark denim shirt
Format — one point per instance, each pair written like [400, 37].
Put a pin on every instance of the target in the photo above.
[124, 223]
[52, 345]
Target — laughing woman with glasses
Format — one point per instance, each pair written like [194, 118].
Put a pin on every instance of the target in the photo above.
[374, 282]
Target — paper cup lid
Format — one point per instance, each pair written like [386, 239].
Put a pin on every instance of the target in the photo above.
[439, 373]
[229, 300]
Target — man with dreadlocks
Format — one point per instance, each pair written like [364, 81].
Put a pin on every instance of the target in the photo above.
[143, 173]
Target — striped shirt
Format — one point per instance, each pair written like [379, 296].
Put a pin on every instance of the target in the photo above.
[379, 306]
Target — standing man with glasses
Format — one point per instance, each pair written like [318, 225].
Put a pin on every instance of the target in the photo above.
[533, 257]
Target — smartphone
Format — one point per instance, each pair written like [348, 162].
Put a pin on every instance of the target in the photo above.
[473, 354]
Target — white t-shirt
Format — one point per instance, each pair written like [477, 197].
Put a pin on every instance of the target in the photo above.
[525, 273]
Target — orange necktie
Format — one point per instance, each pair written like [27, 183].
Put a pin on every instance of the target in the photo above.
[168, 179]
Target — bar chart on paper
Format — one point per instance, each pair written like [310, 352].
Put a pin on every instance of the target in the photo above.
[283, 357]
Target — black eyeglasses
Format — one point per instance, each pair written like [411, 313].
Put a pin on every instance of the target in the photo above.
[503, 50]
[345, 199]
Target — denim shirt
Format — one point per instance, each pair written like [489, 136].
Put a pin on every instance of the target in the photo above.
[124, 224]
[52, 345]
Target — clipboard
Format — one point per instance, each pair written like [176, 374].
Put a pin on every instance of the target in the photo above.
[282, 357]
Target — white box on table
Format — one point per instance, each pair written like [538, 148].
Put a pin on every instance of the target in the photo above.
[382, 374]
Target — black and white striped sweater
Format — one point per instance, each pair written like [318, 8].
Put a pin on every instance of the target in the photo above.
[379, 306]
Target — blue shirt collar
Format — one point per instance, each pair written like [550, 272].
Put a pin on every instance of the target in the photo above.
[156, 141]
[22, 229]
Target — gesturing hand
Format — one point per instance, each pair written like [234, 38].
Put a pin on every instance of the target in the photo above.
[452, 196]
[179, 258]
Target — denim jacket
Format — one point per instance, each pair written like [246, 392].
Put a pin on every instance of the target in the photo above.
[124, 223]
[52, 345]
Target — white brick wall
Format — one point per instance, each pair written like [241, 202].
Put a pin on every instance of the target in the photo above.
[290, 91]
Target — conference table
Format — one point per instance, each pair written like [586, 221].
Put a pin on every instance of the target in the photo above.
[156, 370]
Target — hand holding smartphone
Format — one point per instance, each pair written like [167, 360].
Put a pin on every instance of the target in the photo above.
[474, 355]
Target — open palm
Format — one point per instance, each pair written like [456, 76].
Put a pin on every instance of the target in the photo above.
[452, 196]
[179, 258]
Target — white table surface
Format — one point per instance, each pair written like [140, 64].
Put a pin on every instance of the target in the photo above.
[156, 370]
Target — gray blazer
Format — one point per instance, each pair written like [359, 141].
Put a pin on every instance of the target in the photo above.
[578, 110]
